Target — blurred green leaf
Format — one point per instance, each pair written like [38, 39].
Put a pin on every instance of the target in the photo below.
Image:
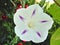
[54, 10]
[5, 44]
[32, 2]
[14, 41]
[55, 39]
[42, 3]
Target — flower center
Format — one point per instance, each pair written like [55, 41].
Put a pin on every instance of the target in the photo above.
[30, 25]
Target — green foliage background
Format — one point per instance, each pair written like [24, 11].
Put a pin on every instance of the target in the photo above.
[7, 34]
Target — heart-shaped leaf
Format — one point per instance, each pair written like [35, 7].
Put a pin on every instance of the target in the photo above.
[55, 39]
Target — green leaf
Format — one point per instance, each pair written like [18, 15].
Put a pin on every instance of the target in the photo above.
[57, 2]
[55, 39]
[5, 44]
[14, 41]
[42, 3]
[54, 10]
[32, 2]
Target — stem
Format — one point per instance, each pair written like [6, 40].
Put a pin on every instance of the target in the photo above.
[13, 3]
[44, 5]
[23, 3]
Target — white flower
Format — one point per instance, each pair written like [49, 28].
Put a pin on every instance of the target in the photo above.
[32, 24]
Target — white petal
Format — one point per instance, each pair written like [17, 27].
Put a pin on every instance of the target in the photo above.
[35, 7]
[27, 36]
[23, 13]
[39, 21]
[42, 38]
[19, 30]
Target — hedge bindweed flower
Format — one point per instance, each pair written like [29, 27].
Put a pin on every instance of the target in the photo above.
[32, 24]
